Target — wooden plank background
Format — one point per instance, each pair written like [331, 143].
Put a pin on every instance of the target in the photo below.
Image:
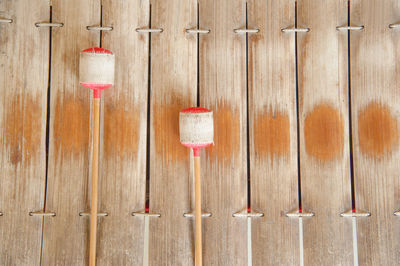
[284, 107]
[324, 138]
[375, 114]
[273, 131]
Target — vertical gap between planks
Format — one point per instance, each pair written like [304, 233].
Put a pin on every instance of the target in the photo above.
[47, 133]
[353, 199]
[147, 194]
[297, 107]
[101, 25]
[198, 55]
[247, 119]
[249, 249]
[301, 247]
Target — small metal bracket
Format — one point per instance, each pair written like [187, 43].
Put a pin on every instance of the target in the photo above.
[352, 28]
[355, 213]
[147, 30]
[99, 214]
[148, 214]
[297, 214]
[247, 213]
[5, 20]
[200, 31]
[49, 24]
[41, 213]
[294, 29]
[241, 31]
[100, 28]
[191, 214]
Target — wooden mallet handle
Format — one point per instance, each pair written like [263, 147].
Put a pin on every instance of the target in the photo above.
[96, 72]
[197, 202]
[196, 129]
[95, 175]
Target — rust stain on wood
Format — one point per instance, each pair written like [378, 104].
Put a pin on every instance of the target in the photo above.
[23, 129]
[272, 134]
[166, 132]
[71, 126]
[324, 133]
[121, 130]
[377, 130]
[226, 132]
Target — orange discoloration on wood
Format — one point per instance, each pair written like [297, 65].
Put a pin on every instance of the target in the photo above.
[272, 134]
[166, 132]
[71, 126]
[22, 135]
[226, 132]
[324, 133]
[121, 130]
[377, 130]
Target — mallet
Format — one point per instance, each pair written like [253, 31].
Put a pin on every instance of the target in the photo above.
[196, 129]
[96, 72]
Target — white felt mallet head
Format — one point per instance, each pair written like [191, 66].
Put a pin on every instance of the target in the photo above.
[196, 128]
[96, 69]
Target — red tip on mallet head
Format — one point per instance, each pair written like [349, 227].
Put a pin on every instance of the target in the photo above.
[196, 128]
[96, 69]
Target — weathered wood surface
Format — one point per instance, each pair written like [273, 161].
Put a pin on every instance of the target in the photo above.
[173, 87]
[123, 138]
[66, 236]
[24, 63]
[324, 132]
[273, 132]
[224, 165]
[375, 114]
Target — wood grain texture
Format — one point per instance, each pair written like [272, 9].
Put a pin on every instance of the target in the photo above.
[224, 165]
[123, 138]
[375, 114]
[173, 88]
[66, 236]
[23, 92]
[324, 133]
[273, 132]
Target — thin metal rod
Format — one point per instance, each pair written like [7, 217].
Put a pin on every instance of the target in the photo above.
[147, 30]
[355, 245]
[41, 213]
[100, 28]
[99, 214]
[146, 242]
[295, 30]
[191, 214]
[148, 214]
[239, 31]
[200, 31]
[5, 20]
[353, 28]
[301, 241]
[249, 248]
[394, 25]
[49, 24]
